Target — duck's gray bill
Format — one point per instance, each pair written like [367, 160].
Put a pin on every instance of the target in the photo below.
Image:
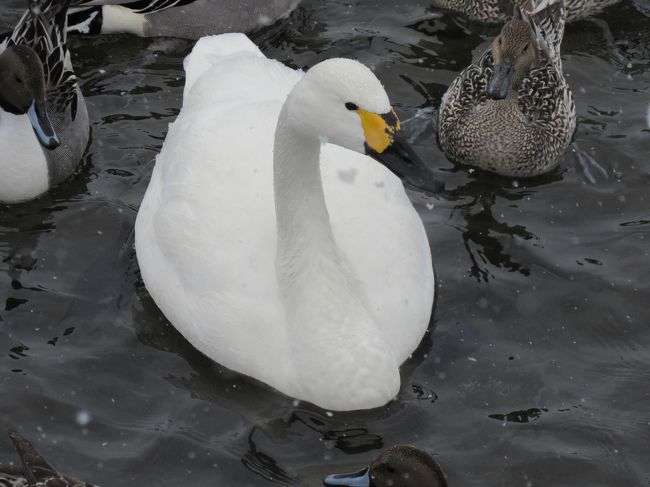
[504, 73]
[42, 126]
[359, 479]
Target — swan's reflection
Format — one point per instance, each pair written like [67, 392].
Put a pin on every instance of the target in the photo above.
[277, 417]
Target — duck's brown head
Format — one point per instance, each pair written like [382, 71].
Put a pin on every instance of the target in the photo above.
[514, 52]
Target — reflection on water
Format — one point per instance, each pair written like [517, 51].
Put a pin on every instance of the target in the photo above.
[537, 371]
[488, 240]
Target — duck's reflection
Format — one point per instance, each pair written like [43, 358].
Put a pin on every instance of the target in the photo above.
[263, 465]
[485, 237]
[24, 247]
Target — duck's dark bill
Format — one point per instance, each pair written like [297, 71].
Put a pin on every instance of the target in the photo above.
[504, 73]
[402, 160]
[359, 479]
[42, 126]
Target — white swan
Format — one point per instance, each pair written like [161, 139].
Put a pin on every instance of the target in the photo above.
[314, 278]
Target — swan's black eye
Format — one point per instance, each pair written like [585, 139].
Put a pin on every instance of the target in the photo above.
[351, 106]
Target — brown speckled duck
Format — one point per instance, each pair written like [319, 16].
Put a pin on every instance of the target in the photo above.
[512, 112]
[499, 11]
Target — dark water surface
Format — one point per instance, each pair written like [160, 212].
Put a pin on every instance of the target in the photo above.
[535, 373]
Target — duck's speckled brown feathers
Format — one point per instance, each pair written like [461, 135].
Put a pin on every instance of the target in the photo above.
[522, 135]
[499, 11]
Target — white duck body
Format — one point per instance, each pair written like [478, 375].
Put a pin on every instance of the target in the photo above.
[24, 170]
[323, 303]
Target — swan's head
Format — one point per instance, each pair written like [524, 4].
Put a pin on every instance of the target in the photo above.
[22, 90]
[342, 102]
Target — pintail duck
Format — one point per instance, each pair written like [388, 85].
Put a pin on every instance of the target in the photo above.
[500, 11]
[403, 466]
[34, 470]
[512, 112]
[43, 117]
[190, 19]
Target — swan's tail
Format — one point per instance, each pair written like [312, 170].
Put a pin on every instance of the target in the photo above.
[212, 49]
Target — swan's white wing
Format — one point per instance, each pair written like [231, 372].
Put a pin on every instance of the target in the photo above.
[213, 275]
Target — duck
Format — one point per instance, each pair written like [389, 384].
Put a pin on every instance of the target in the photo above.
[189, 19]
[34, 470]
[512, 112]
[269, 239]
[43, 116]
[399, 465]
[500, 11]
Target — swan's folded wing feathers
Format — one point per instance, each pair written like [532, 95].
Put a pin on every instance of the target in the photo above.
[245, 80]
[216, 262]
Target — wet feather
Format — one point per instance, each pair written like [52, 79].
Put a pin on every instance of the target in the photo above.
[35, 470]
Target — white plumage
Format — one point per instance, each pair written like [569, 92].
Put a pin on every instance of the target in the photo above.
[324, 302]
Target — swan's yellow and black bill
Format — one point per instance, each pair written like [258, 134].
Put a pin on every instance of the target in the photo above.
[379, 130]
[358, 479]
[386, 142]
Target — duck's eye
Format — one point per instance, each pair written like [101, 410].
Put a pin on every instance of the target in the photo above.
[351, 106]
[500, 41]
[18, 80]
[526, 47]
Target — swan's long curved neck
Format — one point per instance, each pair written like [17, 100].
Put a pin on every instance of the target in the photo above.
[311, 270]
[330, 325]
